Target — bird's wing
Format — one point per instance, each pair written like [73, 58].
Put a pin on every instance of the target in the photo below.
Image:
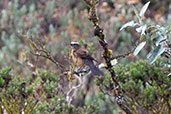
[81, 53]
[88, 60]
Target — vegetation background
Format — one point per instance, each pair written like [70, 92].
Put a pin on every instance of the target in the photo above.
[35, 84]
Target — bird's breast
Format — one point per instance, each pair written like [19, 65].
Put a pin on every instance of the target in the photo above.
[77, 60]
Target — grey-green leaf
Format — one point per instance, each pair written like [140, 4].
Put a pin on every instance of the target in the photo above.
[141, 29]
[144, 8]
[139, 48]
[129, 24]
[159, 39]
[154, 54]
[169, 60]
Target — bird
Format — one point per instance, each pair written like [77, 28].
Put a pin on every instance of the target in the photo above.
[81, 58]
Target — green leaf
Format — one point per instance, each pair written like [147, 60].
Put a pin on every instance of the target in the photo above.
[154, 54]
[32, 8]
[148, 39]
[139, 48]
[2, 82]
[129, 24]
[144, 8]
[169, 60]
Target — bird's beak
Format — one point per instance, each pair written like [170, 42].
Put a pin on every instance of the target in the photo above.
[71, 45]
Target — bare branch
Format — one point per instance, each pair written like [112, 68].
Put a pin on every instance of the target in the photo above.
[39, 50]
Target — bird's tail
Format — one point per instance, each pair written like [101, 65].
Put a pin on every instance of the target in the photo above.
[95, 70]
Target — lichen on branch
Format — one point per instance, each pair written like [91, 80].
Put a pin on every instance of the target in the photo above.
[107, 55]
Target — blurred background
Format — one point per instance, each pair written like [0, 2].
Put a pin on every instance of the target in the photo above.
[63, 21]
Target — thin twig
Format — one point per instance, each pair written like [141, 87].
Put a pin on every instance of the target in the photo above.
[74, 88]
[125, 54]
[42, 52]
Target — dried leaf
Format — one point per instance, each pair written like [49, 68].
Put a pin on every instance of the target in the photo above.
[33, 47]
[46, 40]
[133, 1]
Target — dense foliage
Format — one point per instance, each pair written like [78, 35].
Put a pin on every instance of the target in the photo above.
[146, 87]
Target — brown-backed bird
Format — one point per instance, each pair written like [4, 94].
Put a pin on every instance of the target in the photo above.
[82, 58]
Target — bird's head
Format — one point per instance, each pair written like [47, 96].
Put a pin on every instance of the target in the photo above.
[75, 45]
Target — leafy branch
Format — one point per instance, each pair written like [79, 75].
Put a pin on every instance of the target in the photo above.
[155, 34]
